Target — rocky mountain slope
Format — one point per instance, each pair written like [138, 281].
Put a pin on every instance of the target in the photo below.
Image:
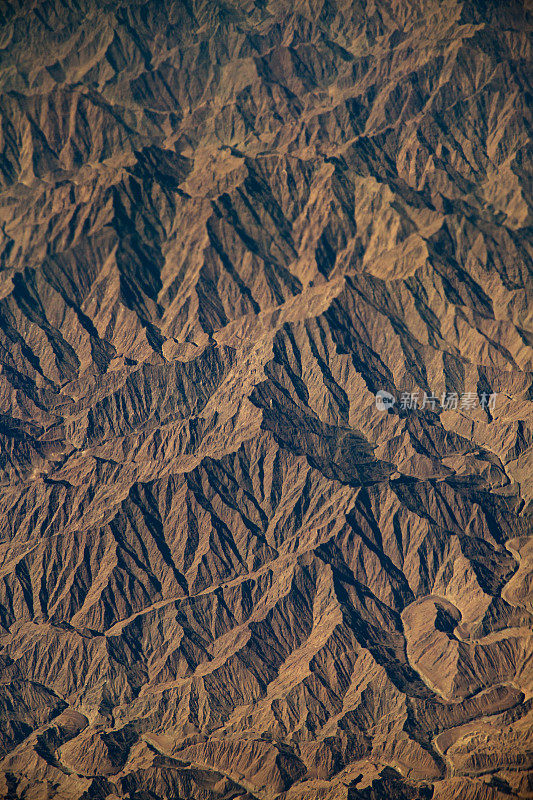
[224, 571]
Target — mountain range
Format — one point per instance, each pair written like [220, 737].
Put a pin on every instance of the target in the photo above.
[228, 228]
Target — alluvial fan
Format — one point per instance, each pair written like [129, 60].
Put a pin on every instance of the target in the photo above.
[266, 384]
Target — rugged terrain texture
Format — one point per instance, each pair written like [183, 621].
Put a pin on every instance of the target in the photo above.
[224, 573]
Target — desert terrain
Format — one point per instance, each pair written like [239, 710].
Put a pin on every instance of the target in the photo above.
[225, 571]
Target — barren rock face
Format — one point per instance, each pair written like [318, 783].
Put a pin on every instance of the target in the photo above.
[226, 570]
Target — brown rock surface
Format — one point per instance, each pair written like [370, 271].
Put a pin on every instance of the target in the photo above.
[224, 573]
